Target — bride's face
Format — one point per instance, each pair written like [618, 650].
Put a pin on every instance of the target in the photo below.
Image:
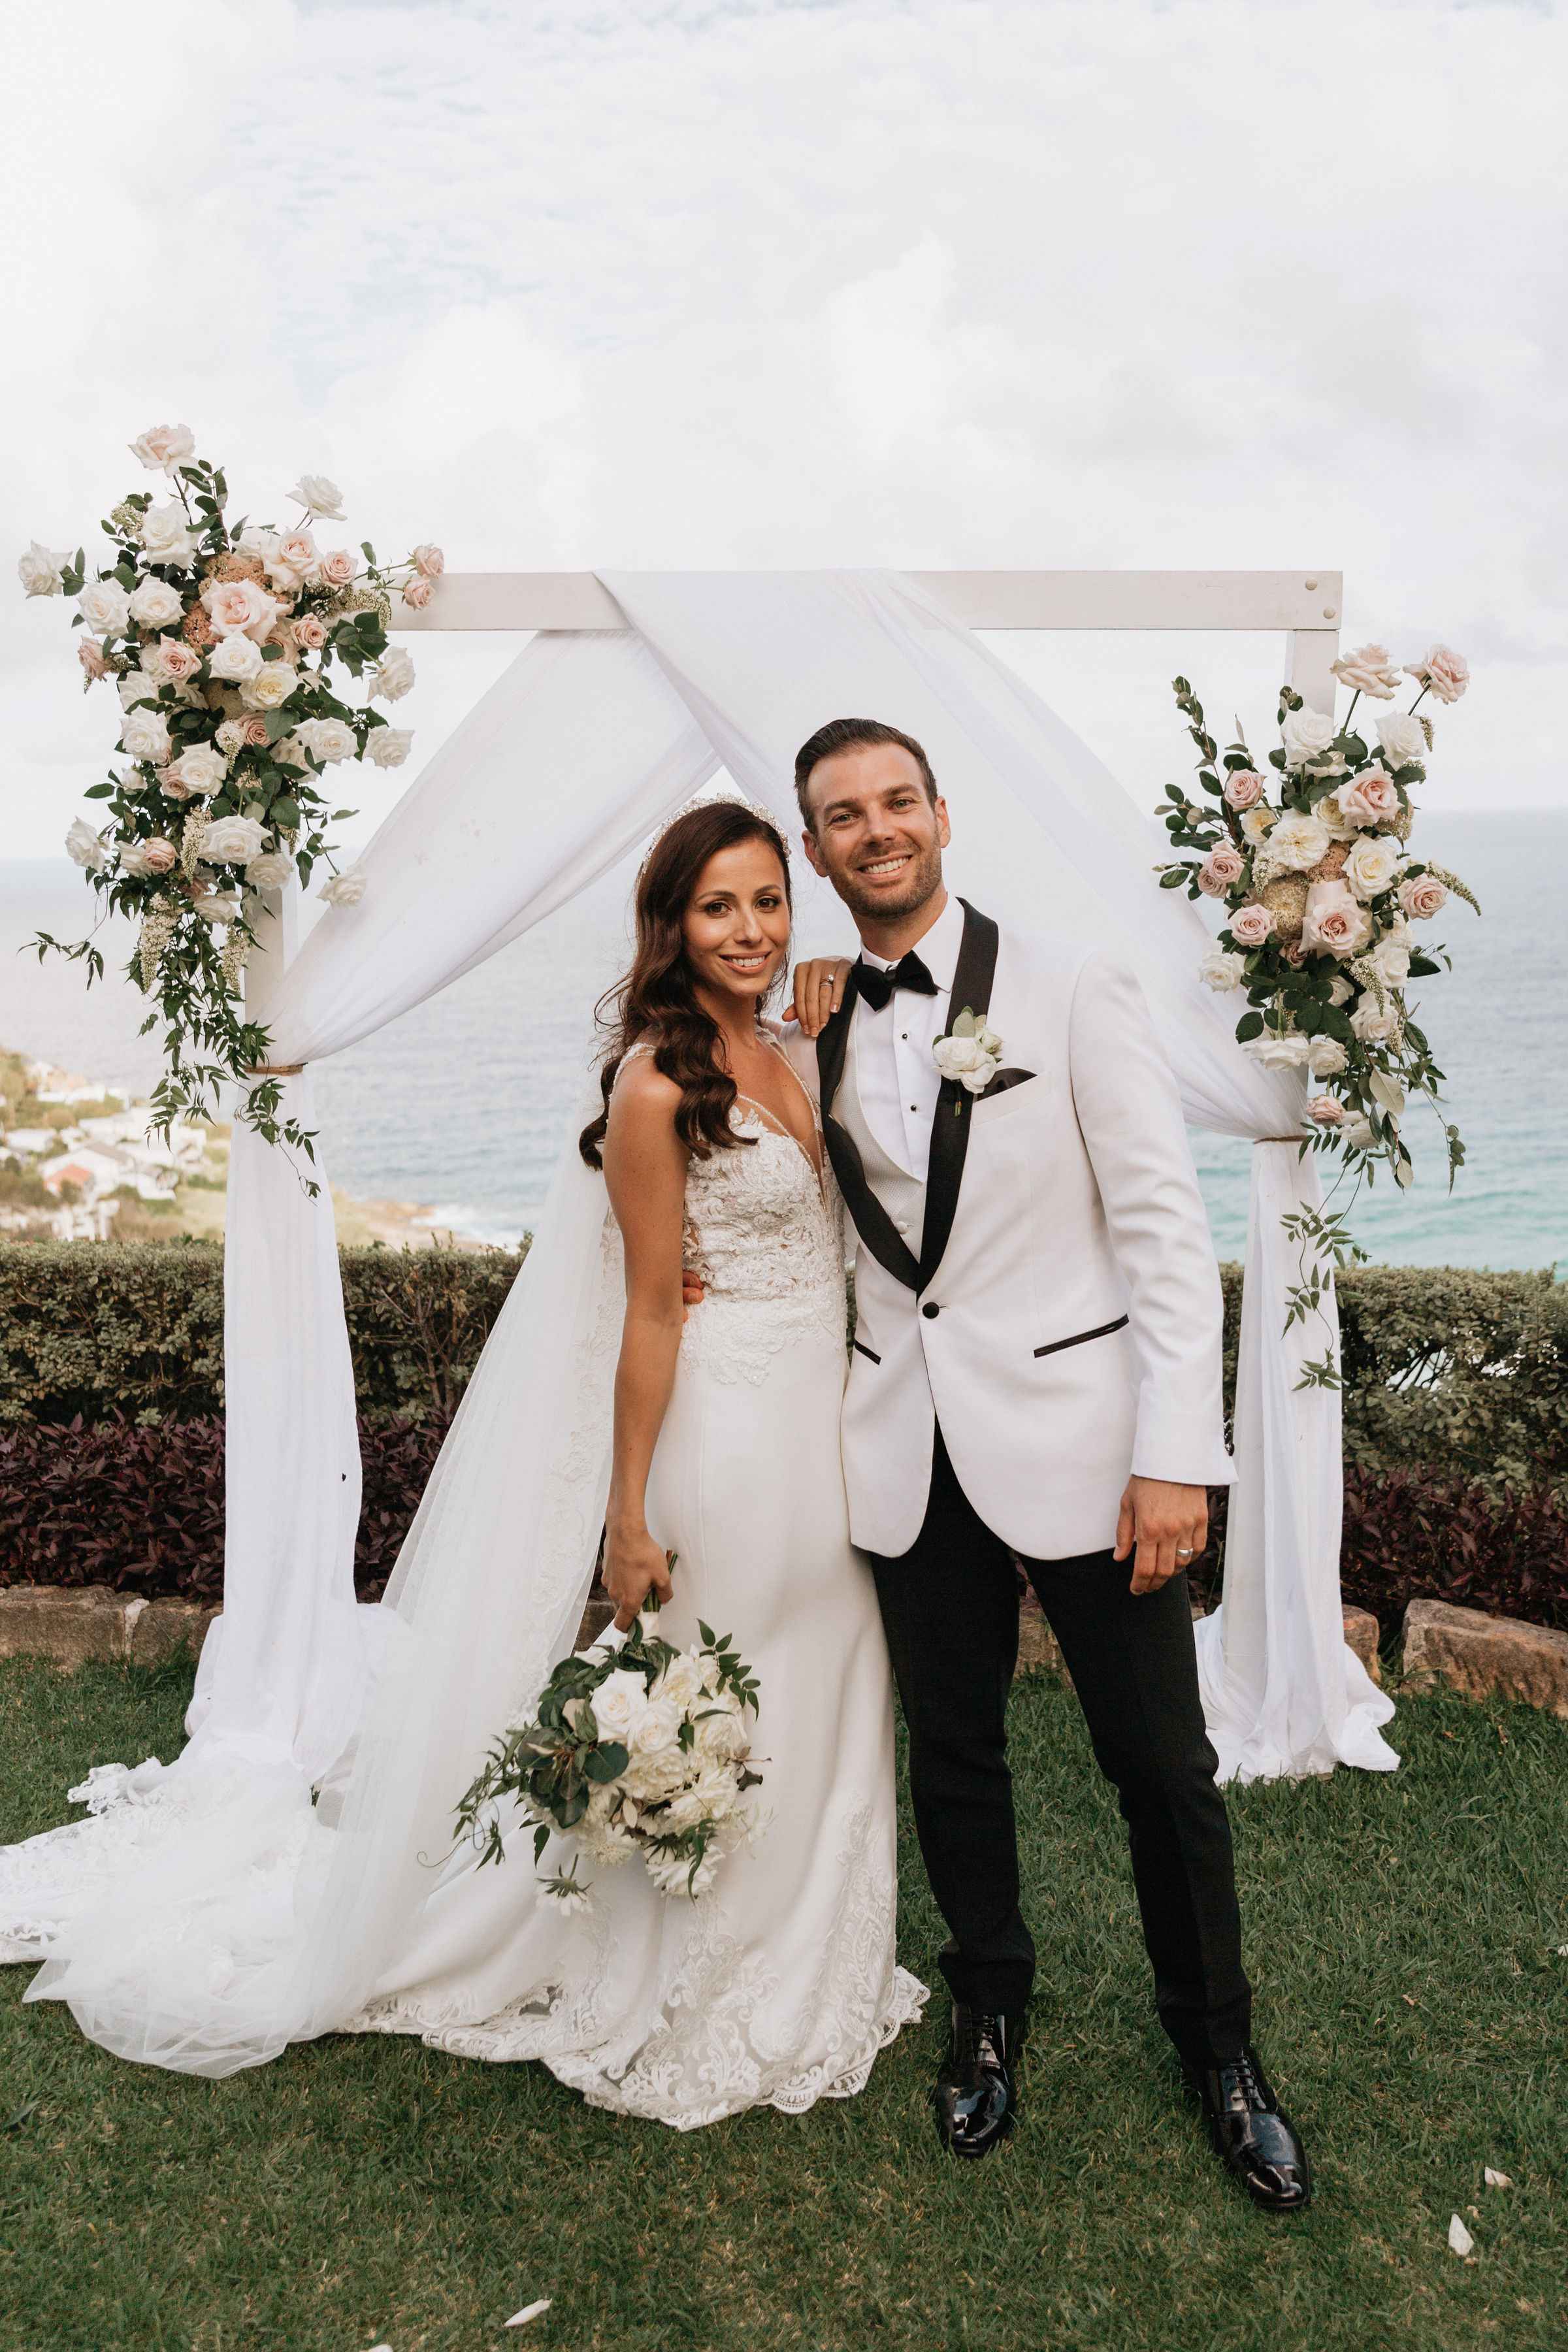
[737, 923]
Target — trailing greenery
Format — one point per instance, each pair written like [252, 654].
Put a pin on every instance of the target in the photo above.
[1402, 1930]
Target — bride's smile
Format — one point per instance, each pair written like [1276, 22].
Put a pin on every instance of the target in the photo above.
[736, 925]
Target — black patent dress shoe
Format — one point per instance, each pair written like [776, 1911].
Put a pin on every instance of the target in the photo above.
[976, 2094]
[1253, 2133]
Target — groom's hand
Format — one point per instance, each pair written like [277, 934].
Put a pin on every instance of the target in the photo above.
[1168, 1524]
[818, 993]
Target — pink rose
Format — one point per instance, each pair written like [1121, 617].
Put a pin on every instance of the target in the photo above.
[1220, 870]
[240, 607]
[429, 560]
[339, 568]
[1442, 672]
[1243, 787]
[91, 656]
[158, 855]
[1371, 798]
[1335, 922]
[1250, 925]
[169, 783]
[417, 593]
[311, 632]
[1421, 895]
[1324, 1111]
[180, 660]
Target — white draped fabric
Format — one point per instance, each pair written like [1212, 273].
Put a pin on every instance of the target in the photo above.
[574, 755]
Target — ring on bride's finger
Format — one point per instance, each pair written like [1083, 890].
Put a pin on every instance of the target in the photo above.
[1184, 1551]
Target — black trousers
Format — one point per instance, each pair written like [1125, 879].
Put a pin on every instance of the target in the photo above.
[950, 1605]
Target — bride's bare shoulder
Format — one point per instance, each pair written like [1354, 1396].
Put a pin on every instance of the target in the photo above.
[642, 1099]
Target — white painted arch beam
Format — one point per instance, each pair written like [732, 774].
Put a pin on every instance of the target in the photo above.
[1300, 602]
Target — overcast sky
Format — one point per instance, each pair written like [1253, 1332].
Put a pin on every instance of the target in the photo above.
[786, 282]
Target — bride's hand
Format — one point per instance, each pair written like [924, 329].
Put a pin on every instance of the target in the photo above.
[634, 1566]
[818, 993]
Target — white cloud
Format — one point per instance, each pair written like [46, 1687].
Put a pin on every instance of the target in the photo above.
[935, 283]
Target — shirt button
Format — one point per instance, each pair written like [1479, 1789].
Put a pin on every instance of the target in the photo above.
[930, 1308]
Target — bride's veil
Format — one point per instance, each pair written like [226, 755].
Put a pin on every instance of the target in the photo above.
[229, 1914]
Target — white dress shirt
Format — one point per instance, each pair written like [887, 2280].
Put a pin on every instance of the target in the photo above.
[898, 1079]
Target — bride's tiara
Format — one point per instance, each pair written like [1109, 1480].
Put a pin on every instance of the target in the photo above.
[730, 799]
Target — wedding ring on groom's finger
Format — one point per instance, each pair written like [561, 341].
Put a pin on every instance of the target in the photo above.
[1184, 1551]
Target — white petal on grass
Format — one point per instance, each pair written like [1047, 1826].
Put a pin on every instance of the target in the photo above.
[530, 2311]
[1495, 2179]
[1460, 2242]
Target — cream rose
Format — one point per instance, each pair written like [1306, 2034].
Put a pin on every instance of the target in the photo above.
[84, 847]
[1334, 922]
[1373, 863]
[392, 675]
[1391, 962]
[339, 568]
[1442, 672]
[320, 495]
[429, 560]
[1243, 788]
[241, 605]
[1324, 1111]
[417, 594]
[293, 558]
[171, 659]
[1403, 738]
[93, 657]
[201, 769]
[232, 841]
[160, 854]
[1277, 1053]
[1222, 971]
[154, 604]
[1250, 925]
[1326, 1057]
[164, 448]
[166, 536]
[270, 871]
[344, 889]
[1371, 798]
[1375, 1023]
[1369, 670]
[145, 734]
[270, 687]
[40, 572]
[619, 1703]
[1296, 842]
[218, 907]
[1422, 895]
[1307, 735]
[234, 657]
[1220, 870]
[329, 739]
[1256, 823]
[105, 607]
[387, 747]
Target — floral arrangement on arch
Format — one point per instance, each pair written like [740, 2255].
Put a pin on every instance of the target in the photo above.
[226, 648]
[1321, 892]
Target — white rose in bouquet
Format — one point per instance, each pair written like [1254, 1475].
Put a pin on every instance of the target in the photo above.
[723, 1734]
[1369, 670]
[241, 605]
[1334, 924]
[320, 495]
[330, 740]
[270, 687]
[1256, 823]
[1375, 1023]
[235, 658]
[1403, 738]
[84, 847]
[144, 735]
[344, 889]
[1374, 864]
[681, 1681]
[218, 907]
[39, 572]
[270, 871]
[1308, 734]
[1390, 960]
[1326, 1057]
[1330, 814]
[292, 559]
[105, 607]
[1221, 970]
[199, 768]
[232, 841]
[387, 747]
[164, 448]
[1296, 842]
[165, 537]
[1278, 1053]
[391, 676]
[156, 604]
[619, 1703]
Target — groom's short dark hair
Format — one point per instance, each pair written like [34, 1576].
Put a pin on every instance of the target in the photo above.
[848, 735]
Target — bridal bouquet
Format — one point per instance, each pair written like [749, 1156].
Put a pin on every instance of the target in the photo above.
[225, 647]
[634, 1747]
[1322, 892]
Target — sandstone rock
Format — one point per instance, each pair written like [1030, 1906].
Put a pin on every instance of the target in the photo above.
[163, 1626]
[1361, 1636]
[69, 1625]
[1481, 1656]
[1038, 1649]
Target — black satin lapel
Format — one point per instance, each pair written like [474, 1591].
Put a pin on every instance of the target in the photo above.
[870, 1220]
[950, 1133]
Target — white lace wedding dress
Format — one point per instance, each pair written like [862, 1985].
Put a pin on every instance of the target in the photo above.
[204, 1935]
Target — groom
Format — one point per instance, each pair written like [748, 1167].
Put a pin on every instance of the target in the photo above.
[1036, 1377]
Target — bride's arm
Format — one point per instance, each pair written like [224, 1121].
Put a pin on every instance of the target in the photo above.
[645, 1169]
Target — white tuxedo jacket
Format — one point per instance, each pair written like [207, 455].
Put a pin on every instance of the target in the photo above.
[1048, 1291]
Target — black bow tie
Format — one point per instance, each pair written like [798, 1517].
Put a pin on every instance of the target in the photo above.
[876, 986]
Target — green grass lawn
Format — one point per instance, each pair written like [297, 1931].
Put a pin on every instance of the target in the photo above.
[1402, 1931]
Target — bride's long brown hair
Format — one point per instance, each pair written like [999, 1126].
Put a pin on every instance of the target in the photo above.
[656, 1002]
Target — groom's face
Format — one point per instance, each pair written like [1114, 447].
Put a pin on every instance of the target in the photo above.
[876, 832]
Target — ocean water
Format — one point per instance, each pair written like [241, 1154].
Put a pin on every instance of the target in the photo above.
[465, 1103]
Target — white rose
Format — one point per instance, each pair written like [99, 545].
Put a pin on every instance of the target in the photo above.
[169, 661]
[234, 657]
[200, 769]
[956, 1055]
[654, 1729]
[163, 449]
[1277, 1053]
[270, 871]
[253, 540]
[1375, 1023]
[621, 1700]
[1220, 970]
[271, 687]
[1326, 1057]
[1307, 735]
[1340, 990]
[1332, 815]
[723, 1736]
[155, 604]
[218, 907]
[39, 572]
[1390, 960]
[1256, 825]
[144, 735]
[320, 495]
[681, 1682]
[241, 605]
[84, 847]
[1374, 864]
[232, 841]
[1296, 842]
[391, 676]
[1402, 737]
[105, 607]
[166, 536]
[330, 740]
[293, 558]
[387, 747]
[347, 890]
[135, 685]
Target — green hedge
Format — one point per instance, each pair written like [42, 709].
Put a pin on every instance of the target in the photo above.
[1443, 1367]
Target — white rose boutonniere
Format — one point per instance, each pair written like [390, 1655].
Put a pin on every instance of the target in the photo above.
[972, 1054]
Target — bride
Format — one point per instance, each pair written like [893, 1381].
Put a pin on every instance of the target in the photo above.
[202, 1917]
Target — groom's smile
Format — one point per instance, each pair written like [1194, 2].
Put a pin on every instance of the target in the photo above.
[876, 832]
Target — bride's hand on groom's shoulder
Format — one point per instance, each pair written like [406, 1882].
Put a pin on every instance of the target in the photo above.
[1164, 1525]
[818, 993]
[634, 1567]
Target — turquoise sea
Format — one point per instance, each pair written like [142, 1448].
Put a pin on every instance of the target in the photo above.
[464, 1104]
